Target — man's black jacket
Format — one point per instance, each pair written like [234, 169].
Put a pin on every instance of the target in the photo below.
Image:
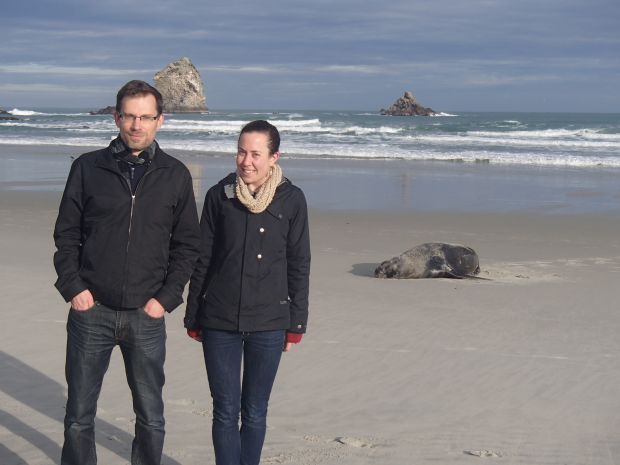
[126, 249]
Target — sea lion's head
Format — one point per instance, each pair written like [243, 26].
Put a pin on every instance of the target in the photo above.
[388, 269]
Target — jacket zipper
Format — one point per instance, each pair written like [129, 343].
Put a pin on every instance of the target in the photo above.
[133, 203]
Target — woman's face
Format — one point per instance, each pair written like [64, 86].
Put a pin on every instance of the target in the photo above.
[254, 161]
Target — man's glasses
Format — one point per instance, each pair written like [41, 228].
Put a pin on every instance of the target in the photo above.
[146, 119]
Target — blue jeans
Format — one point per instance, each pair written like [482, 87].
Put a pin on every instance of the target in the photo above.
[91, 337]
[224, 352]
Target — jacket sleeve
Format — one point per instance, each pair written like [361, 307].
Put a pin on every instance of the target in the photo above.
[298, 265]
[68, 236]
[208, 221]
[184, 244]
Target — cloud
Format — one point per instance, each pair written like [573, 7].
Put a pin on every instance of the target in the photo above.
[52, 88]
[255, 69]
[296, 69]
[39, 68]
[351, 69]
[502, 81]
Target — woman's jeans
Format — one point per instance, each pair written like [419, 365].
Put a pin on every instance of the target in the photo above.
[224, 351]
[91, 337]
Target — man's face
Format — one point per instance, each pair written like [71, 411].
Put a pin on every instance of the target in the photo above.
[138, 133]
[253, 159]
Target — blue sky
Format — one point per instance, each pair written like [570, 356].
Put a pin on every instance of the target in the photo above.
[478, 55]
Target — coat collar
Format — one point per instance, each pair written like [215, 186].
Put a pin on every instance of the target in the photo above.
[107, 159]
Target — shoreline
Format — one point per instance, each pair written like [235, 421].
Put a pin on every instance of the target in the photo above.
[374, 185]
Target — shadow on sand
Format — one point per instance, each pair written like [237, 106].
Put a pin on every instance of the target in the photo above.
[43, 394]
[364, 269]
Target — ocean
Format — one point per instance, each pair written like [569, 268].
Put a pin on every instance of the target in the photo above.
[553, 162]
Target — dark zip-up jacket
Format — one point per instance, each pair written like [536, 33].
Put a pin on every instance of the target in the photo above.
[126, 248]
[253, 270]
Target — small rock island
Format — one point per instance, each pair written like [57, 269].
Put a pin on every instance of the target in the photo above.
[3, 112]
[109, 110]
[407, 105]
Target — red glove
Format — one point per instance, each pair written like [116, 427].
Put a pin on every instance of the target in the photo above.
[293, 338]
[195, 334]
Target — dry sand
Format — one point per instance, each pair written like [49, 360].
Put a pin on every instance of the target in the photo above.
[521, 369]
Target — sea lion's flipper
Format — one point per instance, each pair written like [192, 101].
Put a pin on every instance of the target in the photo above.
[450, 274]
[476, 278]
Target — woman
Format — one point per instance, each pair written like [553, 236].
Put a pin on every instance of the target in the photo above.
[248, 296]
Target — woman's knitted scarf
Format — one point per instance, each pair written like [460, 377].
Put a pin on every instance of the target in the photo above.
[264, 195]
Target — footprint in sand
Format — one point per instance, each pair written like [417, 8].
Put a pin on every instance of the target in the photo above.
[181, 402]
[353, 442]
[482, 453]
[205, 412]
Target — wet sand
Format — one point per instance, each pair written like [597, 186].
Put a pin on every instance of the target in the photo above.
[370, 185]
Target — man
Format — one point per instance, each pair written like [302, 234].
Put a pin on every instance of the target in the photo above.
[127, 236]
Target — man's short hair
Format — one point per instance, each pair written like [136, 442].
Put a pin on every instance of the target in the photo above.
[266, 128]
[137, 87]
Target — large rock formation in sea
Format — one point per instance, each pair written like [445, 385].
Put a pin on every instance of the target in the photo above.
[407, 105]
[181, 86]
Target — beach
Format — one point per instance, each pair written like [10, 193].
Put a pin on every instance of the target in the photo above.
[519, 368]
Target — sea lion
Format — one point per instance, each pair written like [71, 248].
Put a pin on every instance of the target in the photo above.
[432, 260]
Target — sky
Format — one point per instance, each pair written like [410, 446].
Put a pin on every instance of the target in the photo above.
[453, 55]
